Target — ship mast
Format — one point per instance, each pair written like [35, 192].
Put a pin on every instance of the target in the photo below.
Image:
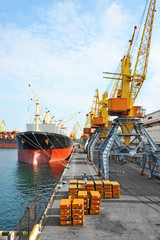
[38, 108]
[37, 115]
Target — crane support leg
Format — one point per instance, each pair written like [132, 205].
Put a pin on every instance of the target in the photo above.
[141, 146]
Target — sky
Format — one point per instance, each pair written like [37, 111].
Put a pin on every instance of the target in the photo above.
[62, 48]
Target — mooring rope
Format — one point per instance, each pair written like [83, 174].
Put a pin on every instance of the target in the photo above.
[49, 155]
[33, 144]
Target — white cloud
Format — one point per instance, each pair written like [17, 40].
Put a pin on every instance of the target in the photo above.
[63, 56]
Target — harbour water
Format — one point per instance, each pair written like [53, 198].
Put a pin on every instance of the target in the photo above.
[21, 183]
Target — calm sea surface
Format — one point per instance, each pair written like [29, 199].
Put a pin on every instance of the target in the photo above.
[21, 183]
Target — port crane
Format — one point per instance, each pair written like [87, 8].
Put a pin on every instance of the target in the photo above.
[89, 127]
[95, 108]
[61, 122]
[131, 140]
[75, 130]
[101, 124]
[47, 118]
[2, 125]
[86, 126]
[102, 120]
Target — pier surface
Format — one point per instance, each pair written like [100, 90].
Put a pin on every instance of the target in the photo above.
[136, 215]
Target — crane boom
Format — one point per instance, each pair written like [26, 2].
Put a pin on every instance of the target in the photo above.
[122, 105]
[95, 108]
[75, 130]
[61, 122]
[96, 103]
[117, 82]
[140, 70]
[2, 125]
[36, 101]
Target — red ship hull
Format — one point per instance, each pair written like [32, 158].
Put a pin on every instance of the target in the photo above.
[10, 145]
[56, 157]
[42, 147]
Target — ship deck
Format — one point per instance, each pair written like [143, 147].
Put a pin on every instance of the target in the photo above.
[135, 215]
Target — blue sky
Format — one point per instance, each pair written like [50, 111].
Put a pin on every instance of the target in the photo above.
[62, 49]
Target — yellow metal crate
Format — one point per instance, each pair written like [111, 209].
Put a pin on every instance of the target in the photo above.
[82, 194]
[81, 187]
[74, 182]
[98, 183]
[78, 217]
[108, 196]
[95, 207]
[65, 217]
[65, 204]
[115, 185]
[116, 195]
[95, 202]
[92, 211]
[106, 182]
[90, 184]
[78, 222]
[95, 195]
[81, 182]
[65, 211]
[78, 203]
[77, 211]
[65, 223]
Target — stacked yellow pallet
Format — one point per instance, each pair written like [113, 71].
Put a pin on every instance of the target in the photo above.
[78, 211]
[107, 186]
[83, 195]
[115, 189]
[95, 202]
[65, 212]
[89, 187]
[73, 190]
[73, 182]
[71, 197]
[99, 187]
[81, 185]
[81, 182]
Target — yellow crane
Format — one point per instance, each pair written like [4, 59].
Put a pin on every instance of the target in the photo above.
[117, 82]
[128, 137]
[75, 130]
[131, 84]
[89, 124]
[2, 125]
[86, 127]
[95, 108]
[61, 123]
[102, 119]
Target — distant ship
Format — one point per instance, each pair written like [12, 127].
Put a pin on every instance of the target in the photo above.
[45, 142]
[7, 139]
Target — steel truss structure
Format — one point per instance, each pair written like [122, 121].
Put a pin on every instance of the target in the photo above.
[141, 146]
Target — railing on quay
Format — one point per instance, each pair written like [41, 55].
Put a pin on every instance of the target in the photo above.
[25, 224]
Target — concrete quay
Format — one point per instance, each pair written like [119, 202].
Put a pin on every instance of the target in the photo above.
[135, 216]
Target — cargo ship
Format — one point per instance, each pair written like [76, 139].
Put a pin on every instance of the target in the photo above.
[7, 139]
[39, 147]
[44, 141]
